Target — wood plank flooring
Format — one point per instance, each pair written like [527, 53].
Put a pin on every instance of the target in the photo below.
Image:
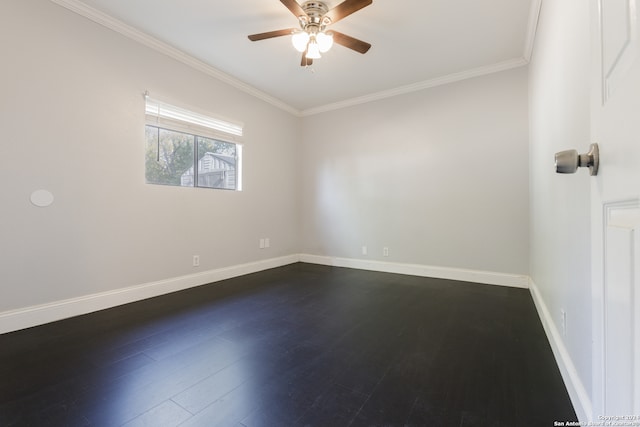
[301, 345]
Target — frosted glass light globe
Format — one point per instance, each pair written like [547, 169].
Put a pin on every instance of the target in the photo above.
[300, 39]
[313, 51]
[325, 41]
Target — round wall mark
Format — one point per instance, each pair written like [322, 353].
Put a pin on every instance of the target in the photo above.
[41, 198]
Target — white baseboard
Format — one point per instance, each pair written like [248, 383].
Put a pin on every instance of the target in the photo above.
[40, 314]
[578, 394]
[475, 276]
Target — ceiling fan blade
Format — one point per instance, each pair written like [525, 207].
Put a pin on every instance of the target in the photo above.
[346, 8]
[294, 7]
[305, 61]
[350, 42]
[271, 34]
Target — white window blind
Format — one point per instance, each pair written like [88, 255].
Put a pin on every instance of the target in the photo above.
[168, 116]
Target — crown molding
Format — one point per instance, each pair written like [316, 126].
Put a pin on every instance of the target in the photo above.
[532, 28]
[439, 81]
[145, 39]
[534, 18]
[168, 50]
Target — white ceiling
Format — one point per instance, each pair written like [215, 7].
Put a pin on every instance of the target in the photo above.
[416, 44]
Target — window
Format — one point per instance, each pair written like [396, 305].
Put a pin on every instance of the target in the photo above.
[191, 150]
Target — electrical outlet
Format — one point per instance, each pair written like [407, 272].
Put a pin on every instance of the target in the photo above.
[563, 322]
[262, 242]
[196, 260]
[364, 250]
[385, 251]
[267, 242]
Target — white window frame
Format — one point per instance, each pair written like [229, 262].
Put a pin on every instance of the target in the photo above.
[174, 118]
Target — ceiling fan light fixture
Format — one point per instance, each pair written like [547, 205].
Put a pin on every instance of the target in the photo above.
[300, 40]
[325, 41]
[314, 17]
[313, 50]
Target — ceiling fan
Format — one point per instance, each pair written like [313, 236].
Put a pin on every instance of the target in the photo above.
[312, 38]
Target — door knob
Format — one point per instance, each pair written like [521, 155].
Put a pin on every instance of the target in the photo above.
[569, 161]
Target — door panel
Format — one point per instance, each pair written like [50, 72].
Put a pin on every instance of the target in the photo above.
[619, 38]
[621, 291]
[615, 208]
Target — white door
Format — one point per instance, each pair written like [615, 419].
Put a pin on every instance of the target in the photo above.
[615, 209]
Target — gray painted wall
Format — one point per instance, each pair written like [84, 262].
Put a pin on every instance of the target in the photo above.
[72, 122]
[439, 176]
[560, 204]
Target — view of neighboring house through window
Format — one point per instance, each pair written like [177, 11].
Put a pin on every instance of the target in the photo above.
[171, 157]
[177, 152]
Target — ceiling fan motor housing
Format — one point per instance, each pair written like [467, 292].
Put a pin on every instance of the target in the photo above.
[316, 12]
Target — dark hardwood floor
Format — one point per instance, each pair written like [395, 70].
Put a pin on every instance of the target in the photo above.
[301, 345]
